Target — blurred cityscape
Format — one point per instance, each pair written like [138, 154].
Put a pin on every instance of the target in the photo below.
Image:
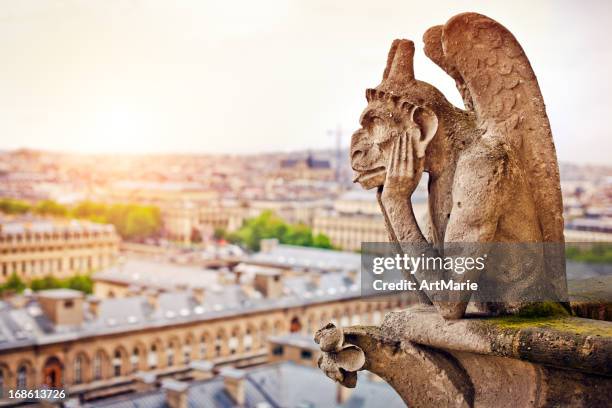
[146, 280]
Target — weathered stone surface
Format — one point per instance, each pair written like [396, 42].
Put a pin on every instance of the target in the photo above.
[592, 297]
[493, 177]
[564, 342]
[493, 173]
[501, 362]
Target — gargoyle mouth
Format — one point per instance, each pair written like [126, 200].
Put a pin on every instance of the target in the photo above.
[362, 176]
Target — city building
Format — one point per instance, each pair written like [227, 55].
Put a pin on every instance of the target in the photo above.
[278, 384]
[98, 347]
[35, 247]
[308, 168]
[356, 218]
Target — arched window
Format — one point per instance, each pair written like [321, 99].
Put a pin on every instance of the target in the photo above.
[233, 343]
[152, 357]
[170, 354]
[97, 366]
[135, 359]
[276, 329]
[203, 347]
[248, 340]
[218, 341]
[263, 333]
[295, 325]
[78, 370]
[309, 325]
[22, 378]
[117, 364]
[187, 352]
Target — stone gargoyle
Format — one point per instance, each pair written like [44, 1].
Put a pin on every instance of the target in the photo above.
[492, 169]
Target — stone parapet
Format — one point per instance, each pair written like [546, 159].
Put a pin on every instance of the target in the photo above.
[507, 361]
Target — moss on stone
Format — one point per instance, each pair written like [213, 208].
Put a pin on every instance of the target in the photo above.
[582, 327]
[542, 309]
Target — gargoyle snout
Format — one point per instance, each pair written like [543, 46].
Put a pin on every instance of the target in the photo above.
[359, 148]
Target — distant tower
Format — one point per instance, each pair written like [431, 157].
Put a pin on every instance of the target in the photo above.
[338, 134]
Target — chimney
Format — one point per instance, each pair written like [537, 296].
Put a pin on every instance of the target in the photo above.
[134, 290]
[225, 277]
[176, 393]
[182, 287]
[94, 306]
[269, 282]
[233, 381]
[144, 381]
[268, 244]
[62, 306]
[201, 369]
[353, 275]
[152, 298]
[342, 394]
[315, 278]
[198, 293]
[237, 276]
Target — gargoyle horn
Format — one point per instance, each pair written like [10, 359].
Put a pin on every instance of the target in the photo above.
[400, 67]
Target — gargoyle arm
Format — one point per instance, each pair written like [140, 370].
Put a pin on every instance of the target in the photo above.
[478, 198]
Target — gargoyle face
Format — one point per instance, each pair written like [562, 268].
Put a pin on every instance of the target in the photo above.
[381, 123]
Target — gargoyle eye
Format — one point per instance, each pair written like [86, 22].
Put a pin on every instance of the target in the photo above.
[377, 120]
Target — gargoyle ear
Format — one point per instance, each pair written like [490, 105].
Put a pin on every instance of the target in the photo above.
[427, 122]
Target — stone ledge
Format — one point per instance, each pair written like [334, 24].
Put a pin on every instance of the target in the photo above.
[476, 362]
[563, 342]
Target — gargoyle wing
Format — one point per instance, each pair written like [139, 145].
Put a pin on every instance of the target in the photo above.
[497, 82]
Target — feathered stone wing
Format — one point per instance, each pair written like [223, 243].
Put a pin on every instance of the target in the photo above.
[497, 82]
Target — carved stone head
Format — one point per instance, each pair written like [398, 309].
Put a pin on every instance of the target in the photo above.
[400, 104]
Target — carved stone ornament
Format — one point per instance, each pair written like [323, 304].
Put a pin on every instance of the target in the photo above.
[339, 361]
[493, 177]
[492, 167]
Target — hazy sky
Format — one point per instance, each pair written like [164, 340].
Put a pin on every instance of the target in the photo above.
[249, 76]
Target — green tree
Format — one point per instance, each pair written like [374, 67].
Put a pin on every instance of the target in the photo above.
[141, 222]
[46, 282]
[269, 225]
[322, 241]
[219, 234]
[84, 283]
[90, 210]
[298, 234]
[50, 207]
[130, 220]
[14, 284]
[11, 206]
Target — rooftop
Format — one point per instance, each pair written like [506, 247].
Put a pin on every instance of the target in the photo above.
[27, 325]
[61, 293]
[295, 339]
[289, 256]
[10, 225]
[139, 272]
[283, 384]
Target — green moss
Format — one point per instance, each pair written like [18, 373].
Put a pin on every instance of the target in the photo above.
[582, 327]
[543, 309]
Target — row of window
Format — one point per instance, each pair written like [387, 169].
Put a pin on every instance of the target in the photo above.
[51, 266]
[141, 357]
[16, 239]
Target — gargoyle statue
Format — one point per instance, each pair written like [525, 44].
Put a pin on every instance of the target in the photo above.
[492, 167]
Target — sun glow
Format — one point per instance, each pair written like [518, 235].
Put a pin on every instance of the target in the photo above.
[121, 129]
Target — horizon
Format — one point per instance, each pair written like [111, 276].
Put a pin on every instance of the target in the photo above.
[279, 76]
